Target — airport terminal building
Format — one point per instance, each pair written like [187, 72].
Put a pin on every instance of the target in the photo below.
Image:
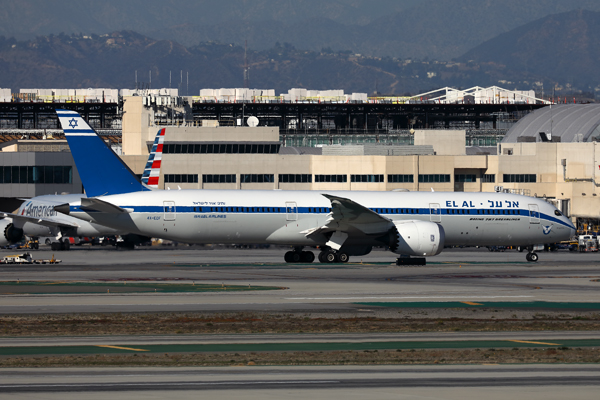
[550, 152]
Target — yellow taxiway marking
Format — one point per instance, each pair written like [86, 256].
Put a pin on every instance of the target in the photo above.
[471, 303]
[122, 348]
[525, 341]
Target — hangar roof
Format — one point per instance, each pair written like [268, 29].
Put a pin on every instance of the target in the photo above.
[566, 123]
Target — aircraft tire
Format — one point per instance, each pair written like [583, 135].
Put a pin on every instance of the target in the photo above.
[308, 257]
[322, 257]
[331, 257]
[288, 257]
[66, 245]
[533, 257]
[343, 257]
[296, 256]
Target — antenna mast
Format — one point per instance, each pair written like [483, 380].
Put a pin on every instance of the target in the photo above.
[246, 72]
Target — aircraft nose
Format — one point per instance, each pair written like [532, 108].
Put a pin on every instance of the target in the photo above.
[572, 231]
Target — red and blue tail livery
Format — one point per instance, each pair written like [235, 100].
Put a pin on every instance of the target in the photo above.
[152, 169]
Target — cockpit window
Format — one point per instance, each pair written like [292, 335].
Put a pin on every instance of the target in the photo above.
[558, 213]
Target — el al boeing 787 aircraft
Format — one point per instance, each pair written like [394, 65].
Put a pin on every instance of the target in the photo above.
[341, 223]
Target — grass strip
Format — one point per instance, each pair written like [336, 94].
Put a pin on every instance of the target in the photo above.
[284, 347]
[346, 357]
[77, 287]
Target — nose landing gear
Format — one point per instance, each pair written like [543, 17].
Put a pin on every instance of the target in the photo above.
[532, 257]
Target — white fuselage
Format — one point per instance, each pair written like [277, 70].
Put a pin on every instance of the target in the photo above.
[284, 217]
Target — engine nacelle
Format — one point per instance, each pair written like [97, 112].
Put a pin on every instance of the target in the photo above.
[417, 238]
[8, 233]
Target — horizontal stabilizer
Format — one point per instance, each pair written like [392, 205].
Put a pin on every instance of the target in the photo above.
[44, 221]
[93, 204]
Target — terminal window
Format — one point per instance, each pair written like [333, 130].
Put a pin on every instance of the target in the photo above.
[400, 178]
[488, 178]
[519, 178]
[181, 178]
[220, 148]
[36, 174]
[257, 178]
[434, 178]
[366, 178]
[295, 178]
[331, 178]
[218, 178]
[465, 178]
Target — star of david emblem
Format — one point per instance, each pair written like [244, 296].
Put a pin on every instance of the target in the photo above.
[73, 123]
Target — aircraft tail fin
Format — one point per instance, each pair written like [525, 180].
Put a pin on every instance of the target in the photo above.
[152, 169]
[102, 172]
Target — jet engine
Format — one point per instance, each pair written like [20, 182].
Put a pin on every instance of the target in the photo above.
[417, 238]
[9, 233]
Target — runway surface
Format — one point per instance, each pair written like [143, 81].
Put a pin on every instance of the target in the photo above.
[471, 275]
[459, 281]
[349, 382]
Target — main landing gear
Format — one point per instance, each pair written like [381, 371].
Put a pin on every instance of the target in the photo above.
[299, 256]
[331, 256]
[326, 256]
[62, 245]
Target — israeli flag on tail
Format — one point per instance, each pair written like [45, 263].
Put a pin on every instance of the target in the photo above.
[152, 169]
[101, 170]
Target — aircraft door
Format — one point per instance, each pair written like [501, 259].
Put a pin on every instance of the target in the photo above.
[291, 211]
[169, 207]
[435, 213]
[534, 214]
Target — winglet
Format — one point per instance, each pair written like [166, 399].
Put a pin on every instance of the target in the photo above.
[102, 172]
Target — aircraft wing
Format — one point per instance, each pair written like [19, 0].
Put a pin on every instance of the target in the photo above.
[44, 221]
[348, 216]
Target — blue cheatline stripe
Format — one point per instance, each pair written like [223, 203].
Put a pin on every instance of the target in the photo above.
[323, 210]
[70, 131]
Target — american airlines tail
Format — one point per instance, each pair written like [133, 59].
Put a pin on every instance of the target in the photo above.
[152, 169]
[340, 223]
[101, 170]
